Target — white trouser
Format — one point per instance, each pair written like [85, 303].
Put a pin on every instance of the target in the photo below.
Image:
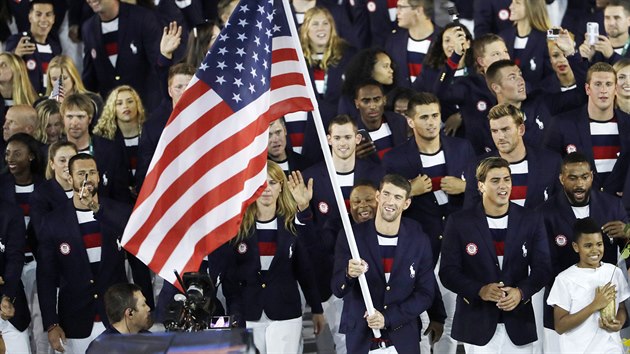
[80, 345]
[15, 341]
[38, 337]
[276, 337]
[332, 312]
[538, 303]
[446, 344]
[500, 343]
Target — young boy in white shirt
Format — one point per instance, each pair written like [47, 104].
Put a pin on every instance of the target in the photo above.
[583, 289]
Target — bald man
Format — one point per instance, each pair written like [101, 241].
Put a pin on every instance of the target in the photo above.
[19, 119]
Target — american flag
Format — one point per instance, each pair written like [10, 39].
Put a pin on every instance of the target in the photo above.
[210, 163]
[57, 93]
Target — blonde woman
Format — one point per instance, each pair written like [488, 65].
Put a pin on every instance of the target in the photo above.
[121, 121]
[268, 260]
[63, 67]
[50, 127]
[527, 39]
[15, 86]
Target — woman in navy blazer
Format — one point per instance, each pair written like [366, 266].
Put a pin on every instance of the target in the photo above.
[268, 259]
[527, 39]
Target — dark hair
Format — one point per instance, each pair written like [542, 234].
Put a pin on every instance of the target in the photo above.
[490, 163]
[398, 181]
[437, 59]
[118, 298]
[36, 165]
[585, 226]
[575, 157]
[367, 82]
[180, 69]
[42, 2]
[624, 3]
[493, 75]
[397, 93]
[361, 67]
[342, 119]
[364, 183]
[197, 46]
[420, 99]
[81, 156]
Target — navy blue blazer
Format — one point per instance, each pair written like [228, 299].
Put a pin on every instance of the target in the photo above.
[34, 64]
[12, 243]
[409, 291]
[542, 177]
[491, 16]
[396, 47]
[559, 219]
[571, 131]
[469, 262]
[151, 132]
[474, 99]
[113, 168]
[533, 60]
[372, 22]
[248, 293]
[47, 196]
[62, 253]
[138, 49]
[405, 161]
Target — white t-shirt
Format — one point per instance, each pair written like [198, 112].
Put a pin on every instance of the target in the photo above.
[573, 290]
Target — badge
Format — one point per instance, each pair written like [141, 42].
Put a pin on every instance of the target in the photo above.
[64, 248]
[93, 53]
[31, 64]
[2, 247]
[532, 64]
[323, 207]
[504, 14]
[561, 240]
[487, 148]
[412, 272]
[571, 148]
[371, 6]
[242, 248]
[133, 47]
[482, 106]
[471, 249]
[524, 248]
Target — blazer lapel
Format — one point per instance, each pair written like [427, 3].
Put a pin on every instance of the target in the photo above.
[484, 233]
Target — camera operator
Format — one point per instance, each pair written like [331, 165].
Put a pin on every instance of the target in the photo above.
[127, 310]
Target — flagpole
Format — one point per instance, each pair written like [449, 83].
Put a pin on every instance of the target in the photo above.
[332, 174]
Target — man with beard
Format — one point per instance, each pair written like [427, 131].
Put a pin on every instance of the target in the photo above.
[397, 265]
[80, 253]
[578, 201]
[534, 169]
[495, 258]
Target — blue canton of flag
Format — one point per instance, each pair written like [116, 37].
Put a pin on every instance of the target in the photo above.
[243, 53]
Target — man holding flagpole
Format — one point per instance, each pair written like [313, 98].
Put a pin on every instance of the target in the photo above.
[397, 263]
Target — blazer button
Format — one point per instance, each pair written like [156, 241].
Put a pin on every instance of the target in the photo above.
[117, 78]
[443, 218]
[440, 237]
[388, 288]
[343, 286]
[385, 307]
[264, 285]
[96, 296]
[91, 281]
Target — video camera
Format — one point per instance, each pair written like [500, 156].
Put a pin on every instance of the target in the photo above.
[193, 311]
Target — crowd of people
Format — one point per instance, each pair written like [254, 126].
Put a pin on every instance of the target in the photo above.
[484, 162]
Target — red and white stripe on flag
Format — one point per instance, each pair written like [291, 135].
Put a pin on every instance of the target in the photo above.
[210, 162]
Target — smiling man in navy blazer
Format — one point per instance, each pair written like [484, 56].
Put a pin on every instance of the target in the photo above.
[495, 257]
[396, 260]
